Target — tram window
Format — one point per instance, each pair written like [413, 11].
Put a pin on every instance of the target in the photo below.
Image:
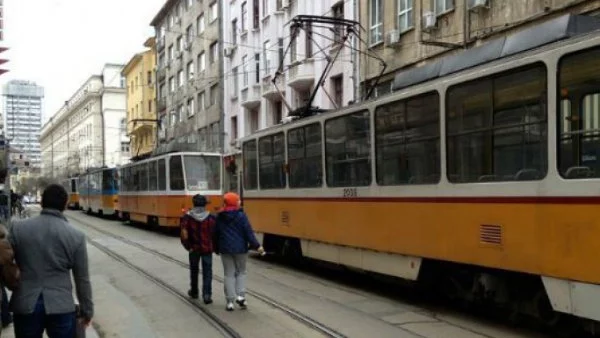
[579, 115]
[497, 128]
[73, 186]
[107, 180]
[143, 170]
[126, 179]
[250, 165]
[176, 181]
[271, 159]
[348, 150]
[305, 156]
[152, 176]
[408, 141]
[162, 175]
[202, 172]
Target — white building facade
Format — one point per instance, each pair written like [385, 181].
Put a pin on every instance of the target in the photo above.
[256, 35]
[89, 131]
[22, 106]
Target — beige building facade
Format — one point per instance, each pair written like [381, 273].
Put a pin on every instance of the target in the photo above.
[408, 33]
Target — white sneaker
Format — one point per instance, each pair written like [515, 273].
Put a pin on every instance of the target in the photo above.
[241, 301]
[229, 306]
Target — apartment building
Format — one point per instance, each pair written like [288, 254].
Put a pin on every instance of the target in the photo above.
[256, 35]
[22, 106]
[139, 74]
[408, 33]
[89, 131]
[189, 75]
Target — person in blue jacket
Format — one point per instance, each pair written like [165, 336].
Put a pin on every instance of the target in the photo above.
[233, 237]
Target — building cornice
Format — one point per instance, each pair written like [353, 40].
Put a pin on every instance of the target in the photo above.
[135, 60]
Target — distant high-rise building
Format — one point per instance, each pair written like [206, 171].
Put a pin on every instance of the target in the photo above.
[22, 106]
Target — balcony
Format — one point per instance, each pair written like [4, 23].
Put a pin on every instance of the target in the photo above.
[302, 74]
[251, 96]
[270, 92]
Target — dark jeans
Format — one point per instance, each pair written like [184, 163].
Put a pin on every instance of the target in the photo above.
[195, 258]
[32, 325]
[6, 318]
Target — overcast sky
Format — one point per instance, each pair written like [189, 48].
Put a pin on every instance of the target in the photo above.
[60, 43]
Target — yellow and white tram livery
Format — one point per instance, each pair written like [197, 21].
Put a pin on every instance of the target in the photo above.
[158, 191]
[483, 164]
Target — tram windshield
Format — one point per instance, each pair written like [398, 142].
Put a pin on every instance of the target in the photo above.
[202, 172]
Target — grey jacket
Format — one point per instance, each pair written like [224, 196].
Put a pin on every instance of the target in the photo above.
[46, 249]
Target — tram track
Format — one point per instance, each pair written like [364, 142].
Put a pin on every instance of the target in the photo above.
[215, 321]
[218, 324]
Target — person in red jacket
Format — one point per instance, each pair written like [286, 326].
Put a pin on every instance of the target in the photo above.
[197, 228]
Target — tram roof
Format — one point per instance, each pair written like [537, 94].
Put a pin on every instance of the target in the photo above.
[562, 27]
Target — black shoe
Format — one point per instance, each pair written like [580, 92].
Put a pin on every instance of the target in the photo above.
[6, 324]
[193, 294]
[207, 300]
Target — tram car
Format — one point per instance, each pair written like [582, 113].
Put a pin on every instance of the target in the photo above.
[98, 190]
[158, 191]
[479, 173]
[71, 185]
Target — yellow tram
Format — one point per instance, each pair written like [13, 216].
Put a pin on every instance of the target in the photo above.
[481, 171]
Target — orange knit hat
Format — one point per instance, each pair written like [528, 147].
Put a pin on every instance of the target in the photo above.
[231, 199]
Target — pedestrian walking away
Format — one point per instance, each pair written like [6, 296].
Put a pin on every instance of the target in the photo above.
[9, 277]
[232, 238]
[47, 248]
[197, 227]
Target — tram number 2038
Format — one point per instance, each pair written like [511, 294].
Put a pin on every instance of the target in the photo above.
[350, 192]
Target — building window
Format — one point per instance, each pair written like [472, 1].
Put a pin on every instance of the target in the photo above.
[190, 70]
[234, 78]
[244, 16]
[149, 106]
[179, 44]
[279, 5]
[234, 31]
[201, 101]
[201, 62]
[405, 14]
[171, 84]
[176, 181]
[348, 162]
[180, 113]
[171, 53]
[214, 50]
[494, 135]
[180, 78]
[280, 51]
[265, 8]
[407, 134]
[442, 6]
[375, 22]
[255, 13]
[277, 112]
[189, 34]
[245, 70]
[266, 60]
[234, 128]
[337, 83]
[337, 11]
[125, 147]
[257, 67]
[214, 14]
[190, 107]
[200, 23]
[214, 93]
[149, 74]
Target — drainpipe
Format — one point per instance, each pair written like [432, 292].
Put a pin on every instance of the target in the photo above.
[221, 89]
